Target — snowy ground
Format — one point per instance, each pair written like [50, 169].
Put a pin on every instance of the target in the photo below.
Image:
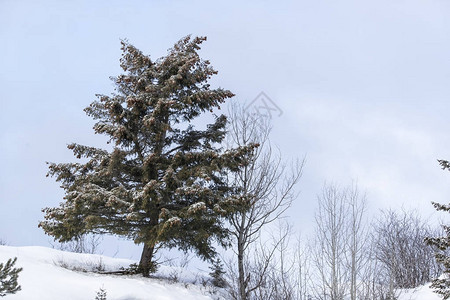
[422, 293]
[46, 276]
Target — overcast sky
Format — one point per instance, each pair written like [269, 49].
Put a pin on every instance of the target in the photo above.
[363, 87]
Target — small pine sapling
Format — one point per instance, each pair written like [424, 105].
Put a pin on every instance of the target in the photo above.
[217, 272]
[8, 278]
[101, 294]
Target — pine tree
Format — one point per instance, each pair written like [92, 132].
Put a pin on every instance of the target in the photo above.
[101, 294]
[8, 278]
[441, 285]
[164, 182]
[217, 273]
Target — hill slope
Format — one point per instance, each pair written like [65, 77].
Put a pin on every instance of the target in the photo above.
[45, 276]
[48, 274]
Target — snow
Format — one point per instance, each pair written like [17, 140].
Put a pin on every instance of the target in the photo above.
[421, 293]
[196, 207]
[49, 274]
[44, 277]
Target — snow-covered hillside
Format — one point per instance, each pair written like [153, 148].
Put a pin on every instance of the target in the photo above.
[422, 293]
[46, 276]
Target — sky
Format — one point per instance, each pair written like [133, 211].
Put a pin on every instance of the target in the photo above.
[362, 89]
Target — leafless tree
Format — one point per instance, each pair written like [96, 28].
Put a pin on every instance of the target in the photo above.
[302, 277]
[402, 251]
[269, 189]
[280, 270]
[357, 240]
[375, 284]
[272, 266]
[340, 245]
[330, 248]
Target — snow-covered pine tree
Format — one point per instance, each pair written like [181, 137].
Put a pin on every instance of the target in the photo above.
[101, 294]
[441, 285]
[217, 274]
[163, 184]
[8, 278]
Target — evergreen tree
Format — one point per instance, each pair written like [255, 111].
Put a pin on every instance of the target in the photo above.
[217, 274]
[101, 294]
[164, 182]
[441, 285]
[8, 278]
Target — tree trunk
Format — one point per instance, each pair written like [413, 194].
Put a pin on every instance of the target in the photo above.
[146, 265]
[241, 268]
[242, 288]
[353, 274]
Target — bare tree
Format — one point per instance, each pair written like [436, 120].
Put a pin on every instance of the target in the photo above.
[302, 277]
[340, 255]
[272, 267]
[331, 238]
[375, 284]
[357, 239]
[269, 189]
[280, 270]
[402, 251]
